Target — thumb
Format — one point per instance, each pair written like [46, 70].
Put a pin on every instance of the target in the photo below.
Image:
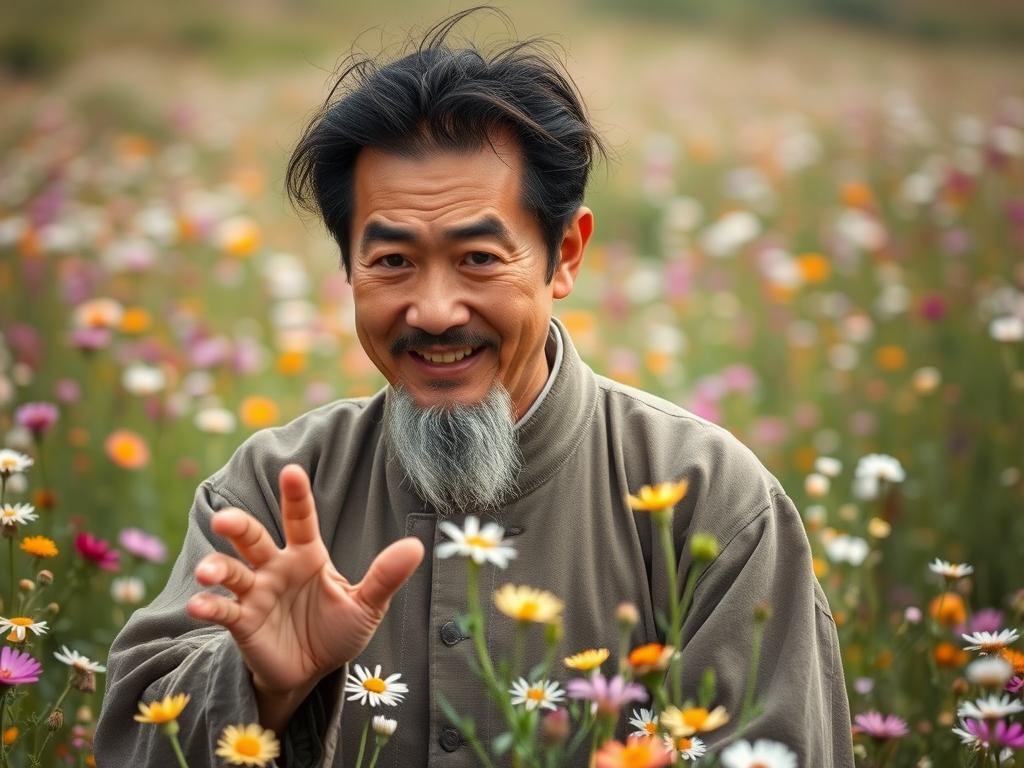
[388, 571]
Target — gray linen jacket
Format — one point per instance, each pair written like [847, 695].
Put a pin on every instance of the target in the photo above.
[590, 443]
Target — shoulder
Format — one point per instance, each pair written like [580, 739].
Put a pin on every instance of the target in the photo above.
[309, 440]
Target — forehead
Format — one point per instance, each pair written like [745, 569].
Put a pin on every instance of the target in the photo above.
[439, 186]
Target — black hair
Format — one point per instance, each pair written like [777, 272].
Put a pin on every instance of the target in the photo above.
[450, 98]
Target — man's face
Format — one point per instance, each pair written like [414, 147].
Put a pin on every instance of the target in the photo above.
[448, 273]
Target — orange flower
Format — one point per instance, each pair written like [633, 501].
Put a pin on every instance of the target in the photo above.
[135, 321]
[258, 411]
[239, 236]
[653, 657]
[39, 546]
[820, 567]
[637, 752]
[1016, 658]
[814, 267]
[10, 736]
[127, 449]
[948, 609]
[891, 357]
[291, 363]
[949, 656]
[856, 194]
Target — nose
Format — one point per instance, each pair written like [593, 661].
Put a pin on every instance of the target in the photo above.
[437, 303]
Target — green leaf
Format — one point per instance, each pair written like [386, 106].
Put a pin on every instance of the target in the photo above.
[708, 686]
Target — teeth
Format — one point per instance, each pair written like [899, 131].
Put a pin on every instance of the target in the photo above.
[446, 357]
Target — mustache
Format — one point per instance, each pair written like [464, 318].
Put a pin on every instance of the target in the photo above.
[454, 337]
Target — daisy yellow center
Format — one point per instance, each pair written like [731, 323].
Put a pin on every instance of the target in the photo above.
[535, 694]
[7, 464]
[375, 685]
[479, 541]
[248, 746]
[684, 743]
[695, 717]
[21, 621]
[528, 610]
[991, 646]
[651, 728]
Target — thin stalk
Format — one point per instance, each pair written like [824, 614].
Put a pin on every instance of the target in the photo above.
[675, 667]
[38, 751]
[675, 620]
[376, 754]
[176, 746]
[3, 728]
[10, 553]
[755, 658]
[362, 743]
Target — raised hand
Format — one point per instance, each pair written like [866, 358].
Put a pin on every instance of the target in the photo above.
[294, 617]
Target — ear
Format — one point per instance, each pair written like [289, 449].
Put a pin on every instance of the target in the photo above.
[574, 243]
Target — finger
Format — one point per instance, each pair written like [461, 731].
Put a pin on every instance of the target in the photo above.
[207, 606]
[388, 572]
[246, 535]
[226, 571]
[298, 511]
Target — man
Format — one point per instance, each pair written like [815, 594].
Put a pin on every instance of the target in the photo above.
[453, 184]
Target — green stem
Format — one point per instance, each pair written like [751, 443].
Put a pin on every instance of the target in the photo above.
[176, 746]
[376, 754]
[38, 751]
[10, 552]
[362, 743]
[676, 666]
[755, 658]
[3, 727]
[478, 630]
[675, 621]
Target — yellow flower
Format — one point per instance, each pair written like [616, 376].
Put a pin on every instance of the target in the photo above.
[686, 722]
[39, 546]
[658, 497]
[528, 604]
[587, 660]
[258, 411]
[160, 712]
[248, 745]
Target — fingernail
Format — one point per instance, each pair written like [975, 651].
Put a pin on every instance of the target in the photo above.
[206, 569]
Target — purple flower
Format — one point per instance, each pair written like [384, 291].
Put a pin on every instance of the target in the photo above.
[90, 339]
[97, 551]
[37, 418]
[985, 620]
[67, 390]
[1016, 684]
[609, 695]
[879, 726]
[143, 545]
[998, 734]
[17, 667]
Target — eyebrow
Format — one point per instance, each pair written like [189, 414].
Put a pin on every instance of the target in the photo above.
[488, 226]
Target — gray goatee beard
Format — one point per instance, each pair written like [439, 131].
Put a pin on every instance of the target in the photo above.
[459, 458]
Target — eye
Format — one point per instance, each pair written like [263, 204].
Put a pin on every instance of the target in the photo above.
[392, 260]
[481, 258]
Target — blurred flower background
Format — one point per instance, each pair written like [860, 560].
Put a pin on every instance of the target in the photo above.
[811, 233]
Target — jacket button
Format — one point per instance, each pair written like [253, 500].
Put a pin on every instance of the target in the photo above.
[450, 739]
[451, 634]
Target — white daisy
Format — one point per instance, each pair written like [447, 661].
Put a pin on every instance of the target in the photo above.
[874, 469]
[378, 690]
[967, 738]
[950, 570]
[645, 721]
[989, 671]
[846, 549]
[483, 545]
[18, 626]
[76, 660]
[384, 726]
[17, 514]
[828, 466]
[991, 642]
[990, 708]
[763, 753]
[13, 462]
[687, 748]
[544, 694]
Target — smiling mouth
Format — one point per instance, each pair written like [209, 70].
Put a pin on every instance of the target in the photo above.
[446, 357]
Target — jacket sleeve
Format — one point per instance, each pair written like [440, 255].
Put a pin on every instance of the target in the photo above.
[800, 692]
[163, 651]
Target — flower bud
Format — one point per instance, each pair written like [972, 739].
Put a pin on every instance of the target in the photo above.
[44, 578]
[26, 585]
[762, 612]
[961, 686]
[53, 608]
[384, 727]
[703, 548]
[55, 720]
[83, 680]
[84, 714]
[627, 615]
[9, 530]
[554, 728]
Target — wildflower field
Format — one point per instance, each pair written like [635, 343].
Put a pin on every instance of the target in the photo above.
[819, 247]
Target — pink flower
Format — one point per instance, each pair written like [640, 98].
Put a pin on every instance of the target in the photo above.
[17, 668]
[90, 339]
[609, 695]
[998, 734]
[97, 551]
[37, 418]
[879, 726]
[143, 545]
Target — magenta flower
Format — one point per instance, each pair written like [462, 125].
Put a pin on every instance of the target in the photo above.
[609, 695]
[879, 726]
[17, 668]
[985, 620]
[97, 551]
[1016, 684]
[37, 418]
[143, 545]
[980, 733]
[90, 339]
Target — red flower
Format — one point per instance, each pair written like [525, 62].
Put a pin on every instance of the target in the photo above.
[98, 552]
